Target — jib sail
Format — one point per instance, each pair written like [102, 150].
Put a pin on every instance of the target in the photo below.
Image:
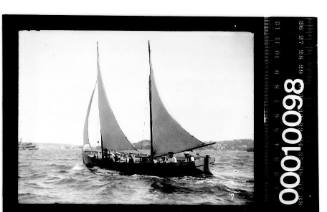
[86, 123]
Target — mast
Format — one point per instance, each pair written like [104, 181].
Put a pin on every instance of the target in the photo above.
[98, 66]
[150, 98]
[101, 147]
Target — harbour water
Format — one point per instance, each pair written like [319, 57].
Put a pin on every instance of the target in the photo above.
[55, 174]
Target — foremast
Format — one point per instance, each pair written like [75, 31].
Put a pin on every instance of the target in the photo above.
[150, 100]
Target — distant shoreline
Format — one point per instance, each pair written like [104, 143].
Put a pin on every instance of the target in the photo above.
[235, 144]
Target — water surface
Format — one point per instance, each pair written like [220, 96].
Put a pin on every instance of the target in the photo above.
[55, 174]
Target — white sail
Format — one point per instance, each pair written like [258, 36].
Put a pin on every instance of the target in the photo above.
[86, 123]
[113, 137]
[167, 134]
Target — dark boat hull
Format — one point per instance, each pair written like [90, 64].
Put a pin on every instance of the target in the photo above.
[147, 168]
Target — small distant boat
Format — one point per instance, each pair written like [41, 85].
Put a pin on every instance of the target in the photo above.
[167, 137]
[250, 149]
[27, 145]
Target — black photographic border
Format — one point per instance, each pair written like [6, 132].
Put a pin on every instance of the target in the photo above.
[12, 24]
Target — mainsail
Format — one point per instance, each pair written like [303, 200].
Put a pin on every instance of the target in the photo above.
[166, 134]
[113, 137]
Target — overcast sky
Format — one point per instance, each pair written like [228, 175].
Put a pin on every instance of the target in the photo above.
[205, 80]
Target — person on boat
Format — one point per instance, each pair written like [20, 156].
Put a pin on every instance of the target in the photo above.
[105, 153]
[95, 155]
[131, 158]
[164, 159]
[171, 158]
[145, 159]
[111, 157]
[117, 157]
[192, 159]
[187, 156]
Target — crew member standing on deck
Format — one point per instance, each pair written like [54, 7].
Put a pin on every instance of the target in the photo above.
[131, 158]
[171, 158]
[187, 156]
[105, 153]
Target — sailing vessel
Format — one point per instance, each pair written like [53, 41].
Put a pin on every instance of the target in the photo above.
[26, 145]
[167, 137]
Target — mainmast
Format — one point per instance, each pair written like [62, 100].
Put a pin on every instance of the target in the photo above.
[150, 98]
[98, 68]
[101, 147]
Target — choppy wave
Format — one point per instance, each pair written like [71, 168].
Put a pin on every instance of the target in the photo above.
[57, 175]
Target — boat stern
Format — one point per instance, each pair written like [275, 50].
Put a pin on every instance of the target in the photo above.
[203, 164]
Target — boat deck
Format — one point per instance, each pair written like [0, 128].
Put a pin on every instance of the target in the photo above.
[147, 167]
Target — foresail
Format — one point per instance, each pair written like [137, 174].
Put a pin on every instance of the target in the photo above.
[167, 134]
[86, 123]
[112, 136]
